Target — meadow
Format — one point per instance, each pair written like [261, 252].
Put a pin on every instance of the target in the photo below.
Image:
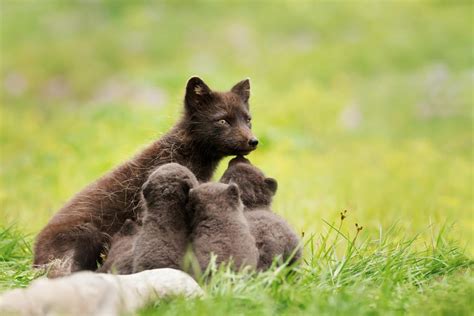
[365, 107]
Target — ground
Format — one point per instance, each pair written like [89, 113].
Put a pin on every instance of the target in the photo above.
[360, 107]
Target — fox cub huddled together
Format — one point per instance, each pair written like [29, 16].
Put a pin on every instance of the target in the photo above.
[157, 207]
[231, 219]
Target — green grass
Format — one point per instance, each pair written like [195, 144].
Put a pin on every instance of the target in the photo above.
[342, 273]
[365, 107]
[15, 259]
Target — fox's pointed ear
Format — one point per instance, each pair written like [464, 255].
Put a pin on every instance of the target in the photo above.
[272, 184]
[146, 190]
[197, 93]
[233, 192]
[242, 89]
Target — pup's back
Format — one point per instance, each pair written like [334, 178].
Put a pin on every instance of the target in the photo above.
[162, 240]
[219, 226]
[274, 239]
[274, 236]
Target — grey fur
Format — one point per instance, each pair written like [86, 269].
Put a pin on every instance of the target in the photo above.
[162, 241]
[219, 226]
[257, 191]
[274, 236]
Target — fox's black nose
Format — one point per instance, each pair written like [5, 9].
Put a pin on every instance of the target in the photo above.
[253, 142]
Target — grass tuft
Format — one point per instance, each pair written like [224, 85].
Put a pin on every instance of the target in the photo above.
[15, 259]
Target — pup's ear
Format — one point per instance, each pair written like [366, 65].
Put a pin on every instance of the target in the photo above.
[191, 195]
[233, 192]
[146, 190]
[197, 94]
[242, 89]
[272, 184]
[187, 185]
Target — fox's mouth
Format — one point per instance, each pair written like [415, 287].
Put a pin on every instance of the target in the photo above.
[244, 152]
[239, 159]
[240, 150]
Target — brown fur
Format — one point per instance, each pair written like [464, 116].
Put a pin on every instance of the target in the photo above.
[198, 141]
[163, 238]
[219, 226]
[274, 237]
[120, 255]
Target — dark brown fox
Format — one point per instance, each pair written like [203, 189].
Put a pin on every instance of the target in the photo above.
[213, 125]
[274, 237]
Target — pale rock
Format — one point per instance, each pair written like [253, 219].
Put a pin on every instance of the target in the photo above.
[89, 293]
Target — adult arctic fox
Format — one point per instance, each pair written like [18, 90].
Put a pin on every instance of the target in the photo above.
[213, 125]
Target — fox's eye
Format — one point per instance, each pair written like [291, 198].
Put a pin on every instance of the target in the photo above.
[248, 120]
[222, 122]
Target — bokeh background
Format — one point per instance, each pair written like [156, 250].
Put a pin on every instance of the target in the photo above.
[364, 106]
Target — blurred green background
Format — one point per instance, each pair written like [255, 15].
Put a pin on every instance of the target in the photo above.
[360, 106]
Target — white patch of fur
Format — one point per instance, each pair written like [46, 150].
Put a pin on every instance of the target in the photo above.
[60, 267]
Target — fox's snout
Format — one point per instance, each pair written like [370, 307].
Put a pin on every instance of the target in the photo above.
[253, 142]
[250, 140]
